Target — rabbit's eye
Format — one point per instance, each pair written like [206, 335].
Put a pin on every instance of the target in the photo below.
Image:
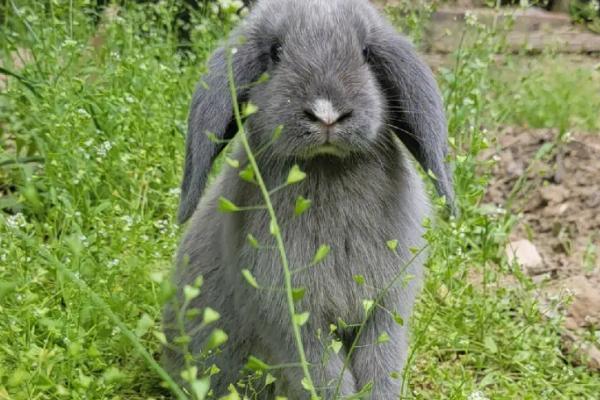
[275, 52]
[366, 53]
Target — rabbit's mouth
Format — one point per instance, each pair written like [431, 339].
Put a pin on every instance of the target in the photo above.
[326, 149]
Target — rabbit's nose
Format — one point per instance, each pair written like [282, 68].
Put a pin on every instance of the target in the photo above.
[324, 112]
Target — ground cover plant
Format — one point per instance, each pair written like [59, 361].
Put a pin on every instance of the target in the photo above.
[92, 125]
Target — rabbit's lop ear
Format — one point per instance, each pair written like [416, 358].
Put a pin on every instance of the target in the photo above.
[211, 122]
[415, 106]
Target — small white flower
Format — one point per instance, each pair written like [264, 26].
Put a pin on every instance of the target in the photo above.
[103, 149]
[128, 220]
[113, 263]
[470, 18]
[16, 221]
[477, 396]
[174, 192]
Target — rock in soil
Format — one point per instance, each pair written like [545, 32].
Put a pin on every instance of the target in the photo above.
[558, 203]
[526, 255]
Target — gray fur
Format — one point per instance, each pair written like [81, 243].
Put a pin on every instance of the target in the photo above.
[364, 188]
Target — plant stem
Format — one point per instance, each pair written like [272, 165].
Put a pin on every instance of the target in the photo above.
[22, 160]
[381, 295]
[130, 335]
[277, 232]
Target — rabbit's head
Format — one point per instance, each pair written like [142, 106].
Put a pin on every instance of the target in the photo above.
[321, 88]
[338, 77]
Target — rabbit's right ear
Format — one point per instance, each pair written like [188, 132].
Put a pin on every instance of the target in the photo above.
[211, 114]
[416, 109]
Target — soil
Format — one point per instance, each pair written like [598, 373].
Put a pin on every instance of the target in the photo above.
[558, 208]
[560, 196]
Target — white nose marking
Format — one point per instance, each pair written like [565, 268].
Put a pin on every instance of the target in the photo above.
[325, 112]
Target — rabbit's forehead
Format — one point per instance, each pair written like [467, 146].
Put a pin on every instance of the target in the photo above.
[316, 22]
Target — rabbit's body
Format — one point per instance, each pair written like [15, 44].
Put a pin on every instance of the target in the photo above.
[362, 221]
[343, 108]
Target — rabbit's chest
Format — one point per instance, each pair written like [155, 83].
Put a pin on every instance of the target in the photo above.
[340, 261]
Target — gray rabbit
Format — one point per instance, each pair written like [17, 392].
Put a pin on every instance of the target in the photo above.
[354, 101]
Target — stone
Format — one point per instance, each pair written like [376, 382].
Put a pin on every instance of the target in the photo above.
[525, 254]
[554, 194]
[584, 310]
[583, 352]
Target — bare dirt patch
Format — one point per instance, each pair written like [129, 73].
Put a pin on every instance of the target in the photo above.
[559, 200]
[554, 189]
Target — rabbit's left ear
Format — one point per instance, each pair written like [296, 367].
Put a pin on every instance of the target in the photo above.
[416, 113]
[212, 113]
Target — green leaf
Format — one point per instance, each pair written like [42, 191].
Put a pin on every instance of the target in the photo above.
[250, 279]
[300, 319]
[365, 390]
[227, 206]
[247, 174]
[255, 364]
[398, 319]
[302, 205]
[190, 292]
[200, 387]
[383, 338]
[543, 150]
[182, 340]
[368, 305]
[277, 132]
[336, 346]
[233, 394]
[162, 338]
[263, 78]
[157, 277]
[144, 325]
[232, 163]
[192, 313]
[217, 338]
[269, 379]
[249, 109]
[189, 374]
[253, 241]
[212, 137]
[298, 293]
[295, 175]
[306, 385]
[210, 316]
[273, 228]
[395, 375]
[321, 253]
[342, 323]
[392, 244]
[490, 344]
[360, 279]
[431, 175]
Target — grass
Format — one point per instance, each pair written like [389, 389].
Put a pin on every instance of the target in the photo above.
[550, 91]
[90, 162]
